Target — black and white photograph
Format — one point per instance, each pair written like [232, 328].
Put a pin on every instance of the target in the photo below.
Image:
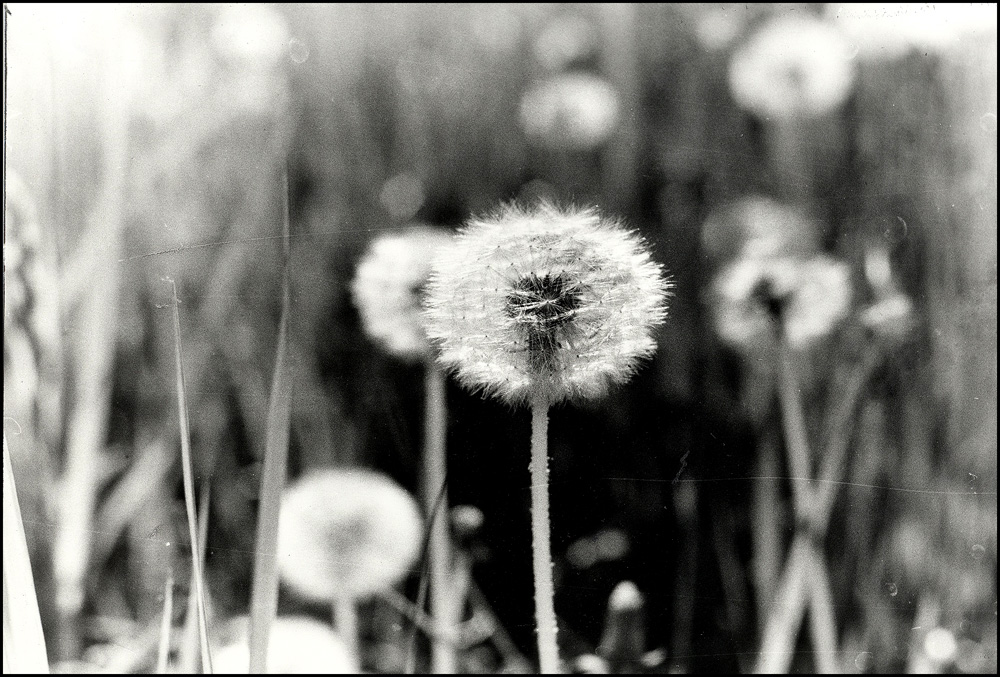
[550, 338]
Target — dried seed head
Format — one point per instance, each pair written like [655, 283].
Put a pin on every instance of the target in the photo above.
[753, 297]
[346, 533]
[388, 286]
[793, 67]
[558, 302]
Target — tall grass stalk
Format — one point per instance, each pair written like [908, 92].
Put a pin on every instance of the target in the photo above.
[541, 545]
[189, 653]
[163, 654]
[444, 607]
[264, 595]
[23, 641]
[189, 501]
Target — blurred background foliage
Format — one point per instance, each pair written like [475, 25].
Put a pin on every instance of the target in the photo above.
[149, 142]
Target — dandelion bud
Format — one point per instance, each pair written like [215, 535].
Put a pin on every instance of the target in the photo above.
[298, 645]
[545, 301]
[808, 296]
[388, 286]
[346, 533]
[793, 67]
[570, 111]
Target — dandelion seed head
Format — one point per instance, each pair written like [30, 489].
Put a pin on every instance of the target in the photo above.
[808, 296]
[793, 67]
[298, 645]
[388, 286]
[551, 301]
[346, 533]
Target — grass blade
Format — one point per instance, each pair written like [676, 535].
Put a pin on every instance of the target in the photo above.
[163, 654]
[189, 639]
[23, 641]
[188, 472]
[264, 595]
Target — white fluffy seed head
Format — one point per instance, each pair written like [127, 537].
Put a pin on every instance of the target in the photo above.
[545, 301]
[792, 67]
[811, 296]
[388, 286]
[346, 534]
[298, 645]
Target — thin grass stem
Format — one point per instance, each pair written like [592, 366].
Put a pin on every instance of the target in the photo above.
[163, 652]
[188, 474]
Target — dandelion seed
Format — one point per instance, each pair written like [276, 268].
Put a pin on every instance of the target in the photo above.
[388, 286]
[793, 67]
[551, 301]
[809, 296]
[346, 533]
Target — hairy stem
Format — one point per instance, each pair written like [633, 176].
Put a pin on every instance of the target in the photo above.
[545, 614]
[444, 606]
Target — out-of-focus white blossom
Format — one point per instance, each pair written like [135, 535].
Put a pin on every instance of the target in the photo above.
[792, 67]
[570, 111]
[388, 285]
[298, 645]
[550, 301]
[346, 534]
[809, 296]
[250, 32]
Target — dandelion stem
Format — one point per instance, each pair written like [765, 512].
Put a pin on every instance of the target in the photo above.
[822, 623]
[545, 614]
[778, 643]
[444, 608]
[188, 474]
[796, 441]
[345, 619]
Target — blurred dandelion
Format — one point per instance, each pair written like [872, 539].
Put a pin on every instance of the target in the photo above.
[298, 645]
[388, 289]
[256, 34]
[540, 306]
[550, 301]
[346, 532]
[810, 296]
[388, 286]
[792, 67]
[570, 111]
[344, 536]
